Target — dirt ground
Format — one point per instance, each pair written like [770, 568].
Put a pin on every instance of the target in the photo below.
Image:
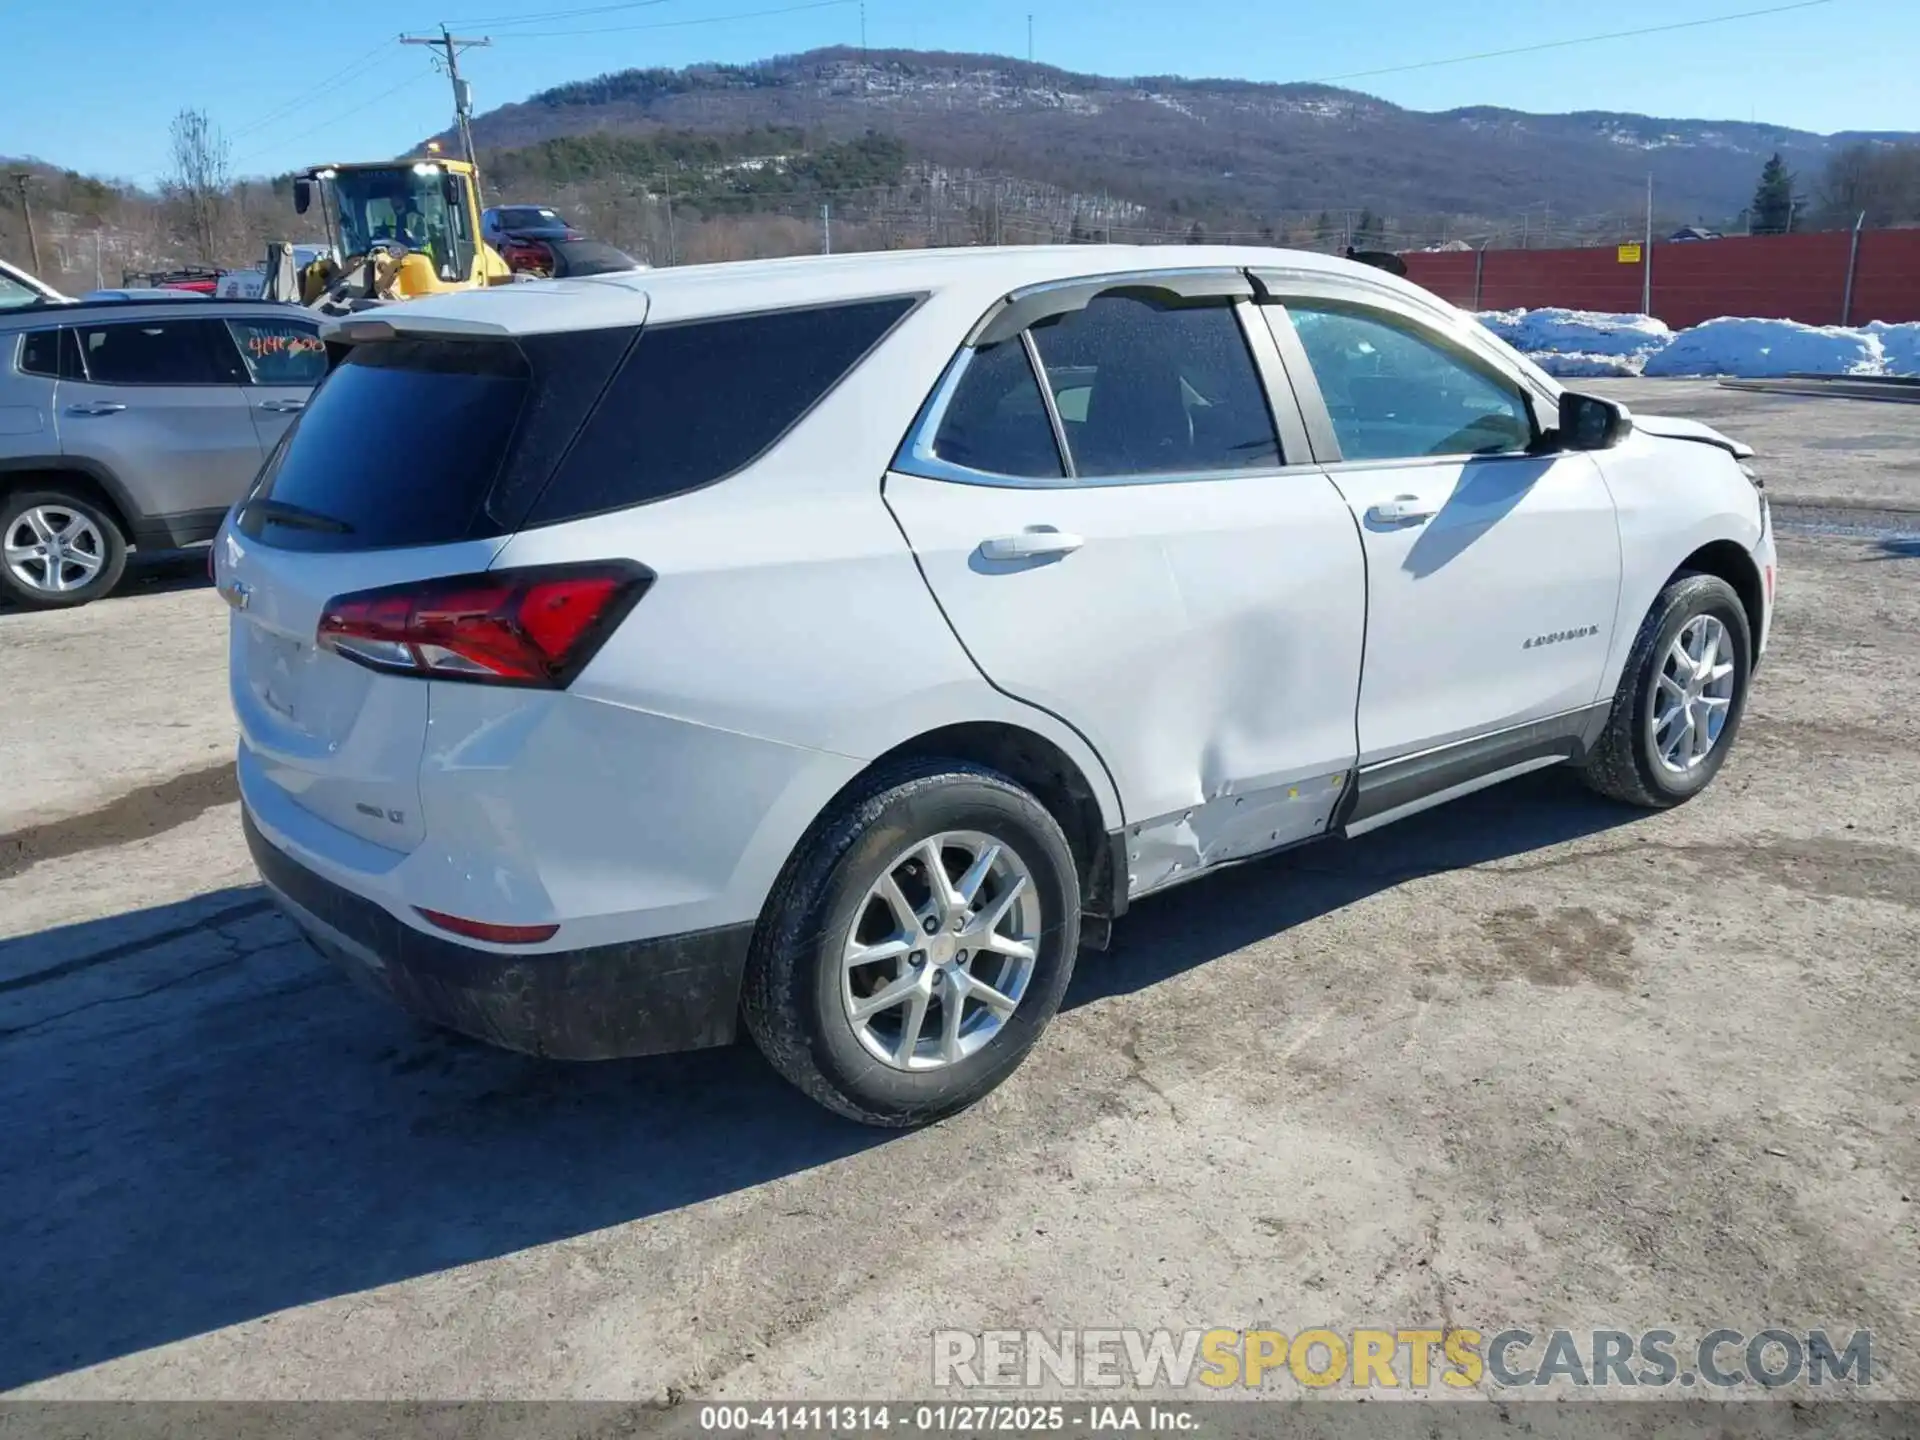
[1531, 1060]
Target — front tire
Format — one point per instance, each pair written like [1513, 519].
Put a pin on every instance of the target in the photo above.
[896, 993]
[58, 549]
[1681, 696]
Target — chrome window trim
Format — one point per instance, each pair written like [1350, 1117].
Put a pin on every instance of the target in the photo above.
[1023, 307]
[916, 456]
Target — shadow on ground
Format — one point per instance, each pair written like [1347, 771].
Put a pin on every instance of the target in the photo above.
[204, 1125]
[159, 573]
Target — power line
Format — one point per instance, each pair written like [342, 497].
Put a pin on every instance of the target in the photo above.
[524, 18]
[678, 24]
[335, 120]
[294, 104]
[450, 45]
[1563, 44]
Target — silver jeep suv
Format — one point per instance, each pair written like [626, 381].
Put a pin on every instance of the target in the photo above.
[135, 422]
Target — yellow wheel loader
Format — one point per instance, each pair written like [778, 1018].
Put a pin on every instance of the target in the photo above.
[404, 228]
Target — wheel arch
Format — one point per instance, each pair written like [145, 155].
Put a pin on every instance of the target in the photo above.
[1056, 780]
[91, 481]
[1733, 563]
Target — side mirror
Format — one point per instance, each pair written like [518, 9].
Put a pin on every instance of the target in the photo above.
[302, 196]
[1588, 422]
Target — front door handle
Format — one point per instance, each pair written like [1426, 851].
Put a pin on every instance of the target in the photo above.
[1031, 544]
[96, 407]
[284, 407]
[1402, 510]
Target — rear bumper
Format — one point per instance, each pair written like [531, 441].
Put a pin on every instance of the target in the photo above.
[673, 992]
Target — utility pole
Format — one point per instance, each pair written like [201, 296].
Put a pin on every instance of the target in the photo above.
[826, 228]
[1646, 256]
[1029, 39]
[671, 246]
[450, 45]
[20, 179]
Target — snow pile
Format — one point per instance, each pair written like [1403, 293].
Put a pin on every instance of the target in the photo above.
[1588, 342]
[1755, 348]
[1899, 347]
[1552, 331]
[1568, 366]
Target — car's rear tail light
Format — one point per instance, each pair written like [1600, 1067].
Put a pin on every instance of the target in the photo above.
[535, 627]
[481, 930]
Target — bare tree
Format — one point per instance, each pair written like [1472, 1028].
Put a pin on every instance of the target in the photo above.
[201, 180]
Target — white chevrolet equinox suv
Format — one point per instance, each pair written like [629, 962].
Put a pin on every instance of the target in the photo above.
[836, 645]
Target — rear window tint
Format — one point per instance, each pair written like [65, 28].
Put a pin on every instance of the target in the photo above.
[696, 402]
[399, 446]
[40, 353]
[997, 419]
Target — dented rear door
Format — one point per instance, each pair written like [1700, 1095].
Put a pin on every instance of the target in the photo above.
[1130, 549]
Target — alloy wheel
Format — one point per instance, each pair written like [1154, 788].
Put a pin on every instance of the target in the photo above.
[1694, 695]
[54, 549]
[940, 951]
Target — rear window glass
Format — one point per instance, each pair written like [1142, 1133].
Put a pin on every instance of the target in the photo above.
[280, 352]
[997, 419]
[695, 402]
[40, 353]
[399, 447]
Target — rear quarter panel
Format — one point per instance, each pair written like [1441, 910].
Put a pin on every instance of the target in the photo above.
[790, 612]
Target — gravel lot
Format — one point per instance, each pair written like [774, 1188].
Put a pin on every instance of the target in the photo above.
[1530, 1060]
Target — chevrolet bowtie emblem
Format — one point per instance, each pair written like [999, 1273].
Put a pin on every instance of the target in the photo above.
[237, 593]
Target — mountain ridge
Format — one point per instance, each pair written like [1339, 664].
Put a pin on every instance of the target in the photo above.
[1215, 146]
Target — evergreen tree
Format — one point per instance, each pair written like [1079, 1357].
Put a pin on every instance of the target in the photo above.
[1773, 199]
[1197, 235]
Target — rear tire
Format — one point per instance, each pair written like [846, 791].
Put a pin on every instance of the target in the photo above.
[801, 994]
[58, 549]
[1641, 759]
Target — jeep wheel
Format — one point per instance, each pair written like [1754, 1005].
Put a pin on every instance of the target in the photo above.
[57, 549]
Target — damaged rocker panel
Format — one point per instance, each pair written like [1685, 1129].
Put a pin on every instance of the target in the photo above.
[1227, 829]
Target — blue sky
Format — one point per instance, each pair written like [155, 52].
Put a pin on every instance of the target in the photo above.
[92, 84]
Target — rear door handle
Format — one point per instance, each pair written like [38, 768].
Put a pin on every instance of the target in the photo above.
[1402, 510]
[1031, 544]
[284, 407]
[96, 407]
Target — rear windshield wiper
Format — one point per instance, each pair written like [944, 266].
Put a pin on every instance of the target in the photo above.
[297, 517]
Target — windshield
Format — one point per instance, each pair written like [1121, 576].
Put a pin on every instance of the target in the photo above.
[13, 294]
[528, 218]
[405, 206]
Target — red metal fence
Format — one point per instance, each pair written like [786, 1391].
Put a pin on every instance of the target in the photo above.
[1783, 277]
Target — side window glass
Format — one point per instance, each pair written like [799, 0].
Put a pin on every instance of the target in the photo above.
[154, 352]
[280, 352]
[695, 402]
[997, 419]
[14, 295]
[1393, 393]
[1145, 388]
[40, 353]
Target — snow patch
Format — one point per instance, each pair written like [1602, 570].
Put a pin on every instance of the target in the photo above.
[1570, 366]
[1758, 348]
[1553, 331]
[1586, 342]
[1899, 347]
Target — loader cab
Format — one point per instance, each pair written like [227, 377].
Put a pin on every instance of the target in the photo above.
[424, 208]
